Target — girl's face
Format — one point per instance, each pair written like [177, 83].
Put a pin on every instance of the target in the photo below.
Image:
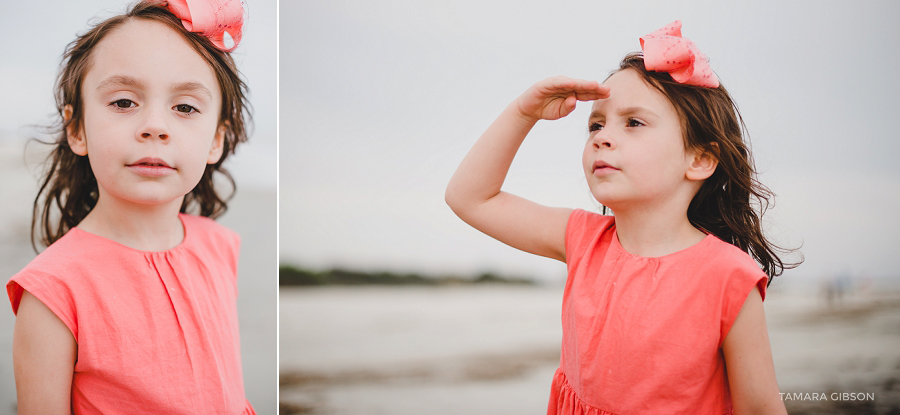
[151, 111]
[635, 154]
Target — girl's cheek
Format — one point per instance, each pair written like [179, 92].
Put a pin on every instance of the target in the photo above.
[587, 156]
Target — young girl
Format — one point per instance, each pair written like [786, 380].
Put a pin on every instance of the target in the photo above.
[662, 309]
[132, 307]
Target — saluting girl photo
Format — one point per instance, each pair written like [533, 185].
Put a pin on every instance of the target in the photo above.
[703, 210]
[662, 309]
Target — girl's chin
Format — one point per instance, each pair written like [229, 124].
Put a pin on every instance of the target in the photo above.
[607, 200]
[149, 199]
[604, 197]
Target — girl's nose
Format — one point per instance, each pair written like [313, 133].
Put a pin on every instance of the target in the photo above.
[602, 139]
[154, 126]
[149, 135]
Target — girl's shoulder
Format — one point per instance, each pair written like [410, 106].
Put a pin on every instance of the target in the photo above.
[583, 224]
[211, 242]
[735, 270]
[585, 219]
[207, 234]
[71, 252]
[57, 271]
[725, 255]
[585, 232]
[205, 226]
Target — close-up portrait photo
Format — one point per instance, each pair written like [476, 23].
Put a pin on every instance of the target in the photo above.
[138, 142]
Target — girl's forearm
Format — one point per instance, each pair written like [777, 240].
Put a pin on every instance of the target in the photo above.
[481, 174]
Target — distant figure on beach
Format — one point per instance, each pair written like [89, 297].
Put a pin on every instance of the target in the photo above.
[834, 289]
[131, 308]
[662, 309]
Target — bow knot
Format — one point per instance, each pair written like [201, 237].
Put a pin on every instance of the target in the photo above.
[211, 18]
[666, 51]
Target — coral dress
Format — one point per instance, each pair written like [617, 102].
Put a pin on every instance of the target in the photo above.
[157, 332]
[644, 335]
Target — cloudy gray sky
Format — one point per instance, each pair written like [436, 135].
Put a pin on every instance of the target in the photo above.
[34, 34]
[381, 100]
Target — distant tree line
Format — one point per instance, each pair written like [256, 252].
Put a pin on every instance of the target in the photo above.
[292, 275]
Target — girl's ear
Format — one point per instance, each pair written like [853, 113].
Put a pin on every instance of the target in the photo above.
[218, 144]
[704, 163]
[74, 135]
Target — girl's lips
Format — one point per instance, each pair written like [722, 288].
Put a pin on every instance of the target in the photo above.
[151, 167]
[150, 161]
[602, 168]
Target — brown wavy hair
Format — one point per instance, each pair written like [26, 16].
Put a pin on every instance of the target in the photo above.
[68, 189]
[731, 202]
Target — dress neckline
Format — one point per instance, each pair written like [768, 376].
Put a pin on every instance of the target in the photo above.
[617, 246]
[184, 241]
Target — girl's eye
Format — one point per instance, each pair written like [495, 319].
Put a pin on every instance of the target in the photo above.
[595, 127]
[185, 108]
[634, 123]
[123, 103]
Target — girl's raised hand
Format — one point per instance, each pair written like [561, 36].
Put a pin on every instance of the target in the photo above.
[554, 98]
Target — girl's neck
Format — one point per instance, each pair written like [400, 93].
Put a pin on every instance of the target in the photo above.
[141, 227]
[655, 232]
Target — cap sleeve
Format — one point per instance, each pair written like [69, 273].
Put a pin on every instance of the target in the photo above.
[738, 286]
[50, 289]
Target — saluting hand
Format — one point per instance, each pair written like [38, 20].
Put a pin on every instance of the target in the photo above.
[554, 98]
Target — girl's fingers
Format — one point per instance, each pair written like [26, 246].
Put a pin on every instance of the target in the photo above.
[592, 95]
[569, 105]
[556, 97]
[583, 90]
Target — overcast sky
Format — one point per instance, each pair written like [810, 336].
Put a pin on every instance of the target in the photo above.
[34, 34]
[381, 100]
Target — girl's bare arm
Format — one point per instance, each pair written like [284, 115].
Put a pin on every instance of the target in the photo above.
[474, 191]
[748, 360]
[44, 352]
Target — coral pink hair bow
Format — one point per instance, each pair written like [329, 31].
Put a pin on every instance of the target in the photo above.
[666, 51]
[211, 18]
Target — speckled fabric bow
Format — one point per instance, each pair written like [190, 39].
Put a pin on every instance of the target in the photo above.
[666, 51]
[211, 18]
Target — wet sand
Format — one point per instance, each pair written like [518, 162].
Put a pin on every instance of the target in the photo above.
[486, 350]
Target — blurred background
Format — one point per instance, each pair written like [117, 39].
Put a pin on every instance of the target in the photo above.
[34, 38]
[381, 100]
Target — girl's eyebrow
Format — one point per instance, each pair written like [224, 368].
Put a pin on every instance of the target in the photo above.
[635, 110]
[192, 87]
[120, 80]
[623, 111]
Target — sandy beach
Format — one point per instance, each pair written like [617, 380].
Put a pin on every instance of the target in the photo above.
[487, 350]
[251, 213]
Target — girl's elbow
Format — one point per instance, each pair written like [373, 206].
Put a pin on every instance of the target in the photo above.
[450, 198]
[455, 199]
[448, 195]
